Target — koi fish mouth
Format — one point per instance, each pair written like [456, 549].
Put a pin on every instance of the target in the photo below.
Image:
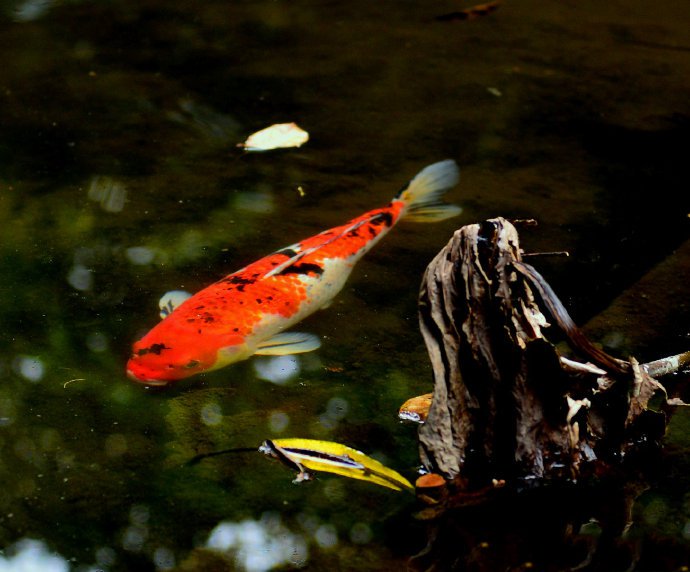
[147, 381]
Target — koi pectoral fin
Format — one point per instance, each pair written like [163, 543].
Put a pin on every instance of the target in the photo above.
[288, 343]
[172, 300]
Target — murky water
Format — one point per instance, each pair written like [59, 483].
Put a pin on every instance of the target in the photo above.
[120, 179]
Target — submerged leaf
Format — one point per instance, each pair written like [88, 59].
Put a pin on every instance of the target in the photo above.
[276, 136]
[304, 454]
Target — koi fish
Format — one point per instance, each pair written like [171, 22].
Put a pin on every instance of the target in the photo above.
[246, 313]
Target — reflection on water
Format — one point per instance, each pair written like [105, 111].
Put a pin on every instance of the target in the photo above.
[361, 533]
[136, 538]
[30, 368]
[268, 542]
[80, 277]
[136, 534]
[108, 193]
[140, 255]
[278, 421]
[326, 536]
[96, 342]
[260, 201]
[336, 410]
[29, 10]
[257, 545]
[211, 413]
[208, 122]
[30, 555]
[277, 369]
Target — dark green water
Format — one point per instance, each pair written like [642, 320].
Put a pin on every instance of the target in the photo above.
[120, 180]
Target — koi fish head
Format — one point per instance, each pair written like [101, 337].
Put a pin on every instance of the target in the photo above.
[160, 363]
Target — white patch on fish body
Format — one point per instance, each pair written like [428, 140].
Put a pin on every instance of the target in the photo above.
[320, 291]
[323, 288]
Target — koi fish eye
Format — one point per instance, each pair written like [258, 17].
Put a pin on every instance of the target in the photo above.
[191, 364]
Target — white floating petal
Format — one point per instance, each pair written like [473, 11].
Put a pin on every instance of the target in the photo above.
[276, 136]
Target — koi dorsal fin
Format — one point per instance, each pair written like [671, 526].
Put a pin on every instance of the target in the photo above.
[284, 267]
[288, 343]
[172, 300]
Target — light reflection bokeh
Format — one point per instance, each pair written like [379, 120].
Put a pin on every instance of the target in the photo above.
[259, 545]
[97, 342]
[30, 10]
[80, 277]
[336, 411]
[361, 533]
[30, 368]
[163, 558]
[277, 369]
[211, 413]
[326, 536]
[260, 202]
[29, 555]
[108, 193]
[278, 421]
[140, 255]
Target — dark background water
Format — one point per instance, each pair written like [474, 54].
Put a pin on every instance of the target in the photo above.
[120, 179]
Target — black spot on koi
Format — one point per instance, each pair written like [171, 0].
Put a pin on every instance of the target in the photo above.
[303, 268]
[382, 218]
[153, 349]
[289, 252]
[238, 280]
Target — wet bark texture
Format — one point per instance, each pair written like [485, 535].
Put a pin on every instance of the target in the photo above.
[507, 403]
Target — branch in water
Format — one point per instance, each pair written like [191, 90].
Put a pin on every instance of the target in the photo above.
[667, 365]
[575, 336]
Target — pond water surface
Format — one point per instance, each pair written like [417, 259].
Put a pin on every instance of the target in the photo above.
[120, 179]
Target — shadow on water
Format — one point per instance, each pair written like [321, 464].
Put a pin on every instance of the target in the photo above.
[618, 523]
[646, 207]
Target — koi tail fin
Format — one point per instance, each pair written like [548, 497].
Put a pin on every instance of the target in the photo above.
[424, 193]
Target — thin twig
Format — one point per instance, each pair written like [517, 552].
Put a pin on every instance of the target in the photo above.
[551, 253]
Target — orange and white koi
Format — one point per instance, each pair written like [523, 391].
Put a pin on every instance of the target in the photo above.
[246, 313]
